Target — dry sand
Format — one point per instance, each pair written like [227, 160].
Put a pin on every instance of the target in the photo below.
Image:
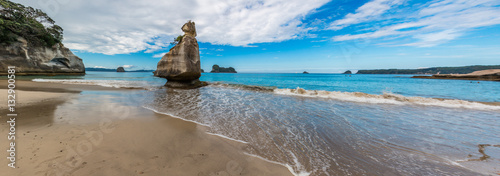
[479, 73]
[485, 75]
[60, 131]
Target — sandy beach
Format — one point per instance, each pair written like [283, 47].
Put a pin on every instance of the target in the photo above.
[91, 130]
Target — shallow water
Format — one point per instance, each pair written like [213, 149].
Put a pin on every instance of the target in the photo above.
[323, 136]
[350, 128]
[484, 91]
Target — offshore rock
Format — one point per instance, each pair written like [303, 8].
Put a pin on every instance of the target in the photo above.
[181, 65]
[39, 60]
[120, 69]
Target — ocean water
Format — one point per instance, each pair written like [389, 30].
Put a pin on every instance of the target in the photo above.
[334, 124]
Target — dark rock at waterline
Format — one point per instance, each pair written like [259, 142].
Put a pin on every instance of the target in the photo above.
[120, 69]
[181, 65]
[186, 84]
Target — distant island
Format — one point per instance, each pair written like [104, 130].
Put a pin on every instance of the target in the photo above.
[432, 70]
[217, 69]
[113, 70]
[305, 72]
[348, 72]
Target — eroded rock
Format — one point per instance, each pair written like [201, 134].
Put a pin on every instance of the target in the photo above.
[39, 60]
[181, 65]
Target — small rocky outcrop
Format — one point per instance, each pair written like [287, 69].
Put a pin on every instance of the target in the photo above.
[305, 72]
[181, 65]
[217, 69]
[120, 69]
[39, 60]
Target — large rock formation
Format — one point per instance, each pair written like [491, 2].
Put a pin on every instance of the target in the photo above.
[181, 65]
[39, 60]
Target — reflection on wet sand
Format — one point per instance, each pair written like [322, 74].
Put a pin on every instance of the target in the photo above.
[109, 133]
[31, 117]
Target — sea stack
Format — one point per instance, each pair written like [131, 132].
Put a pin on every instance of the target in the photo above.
[181, 65]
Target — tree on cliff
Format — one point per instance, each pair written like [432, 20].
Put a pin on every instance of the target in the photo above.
[177, 40]
[34, 25]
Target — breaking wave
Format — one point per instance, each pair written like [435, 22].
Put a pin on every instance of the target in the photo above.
[244, 87]
[360, 97]
[388, 98]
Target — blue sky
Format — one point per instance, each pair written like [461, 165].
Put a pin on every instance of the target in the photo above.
[284, 36]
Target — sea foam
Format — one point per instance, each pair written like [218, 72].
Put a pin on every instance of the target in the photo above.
[387, 98]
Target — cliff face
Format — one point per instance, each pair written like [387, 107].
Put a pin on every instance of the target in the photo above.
[181, 65]
[39, 60]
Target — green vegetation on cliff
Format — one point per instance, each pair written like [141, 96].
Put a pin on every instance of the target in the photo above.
[177, 40]
[34, 25]
[432, 70]
[217, 69]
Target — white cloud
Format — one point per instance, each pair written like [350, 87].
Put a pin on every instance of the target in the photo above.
[366, 12]
[98, 67]
[436, 22]
[435, 38]
[159, 55]
[128, 66]
[128, 26]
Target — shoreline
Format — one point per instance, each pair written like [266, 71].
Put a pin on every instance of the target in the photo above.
[451, 77]
[358, 97]
[86, 129]
[483, 75]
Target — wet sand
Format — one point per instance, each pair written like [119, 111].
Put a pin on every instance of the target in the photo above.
[92, 130]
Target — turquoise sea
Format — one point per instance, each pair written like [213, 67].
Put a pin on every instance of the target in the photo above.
[336, 124]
